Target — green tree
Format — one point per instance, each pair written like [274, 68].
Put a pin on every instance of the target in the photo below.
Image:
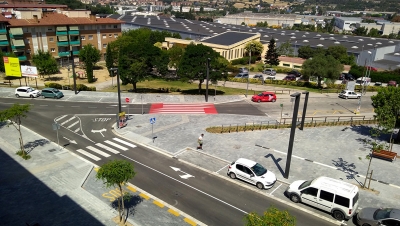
[175, 55]
[2, 69]
[89, 55]
[116, 173]
[305, 52]
[361, 31]
[110, 63]
[285, 49]
[13, 116]
[271, 217]
[272, 57]
[256, 48]
[374, 33]
[321, 66]
[193, 65]
[45, 63]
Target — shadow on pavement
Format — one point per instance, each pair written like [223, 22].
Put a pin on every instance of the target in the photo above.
[33, 144]
[129, 204]
[26, 200]
[276, 161]
[365, 130]
[346, 167]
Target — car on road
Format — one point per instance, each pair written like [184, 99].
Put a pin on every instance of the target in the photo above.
[371, 68]
[51, 93]
[251, 172]
[264, 97]
[378, 216]
[348, 94]
[242, 75]
[289, 78]
[331, 195]
[26, 91]
[295, 73]
[259, 76]
[392, 83]
[346, 76]
[269, 71]
[243, 69]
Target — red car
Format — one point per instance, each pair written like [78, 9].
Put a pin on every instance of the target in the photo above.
[264, 97]
[372, 68]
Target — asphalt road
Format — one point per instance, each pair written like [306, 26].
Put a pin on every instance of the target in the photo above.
[208, 198]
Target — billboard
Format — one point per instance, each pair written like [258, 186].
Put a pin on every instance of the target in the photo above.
[29, 71]
[11, 64]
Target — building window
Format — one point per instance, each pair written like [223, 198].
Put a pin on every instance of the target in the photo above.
[104, 46]
[27, 41]
[51, 39]
[90, 37]
[82, 37]
[25, 29]
[53, 50]
[81, 27]
[104, 36]
[115, 35]
[103, 26]
[33, 30]
[110, 35]
[115, 26]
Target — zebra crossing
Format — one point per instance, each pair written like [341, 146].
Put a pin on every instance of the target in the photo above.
[71, 123]
[114, 146]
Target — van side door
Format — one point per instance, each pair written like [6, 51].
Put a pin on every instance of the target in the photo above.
[325, 200]
[309, 196]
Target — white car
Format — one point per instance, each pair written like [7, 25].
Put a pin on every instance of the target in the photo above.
[347, 94]
[26, 91]
[251, 172]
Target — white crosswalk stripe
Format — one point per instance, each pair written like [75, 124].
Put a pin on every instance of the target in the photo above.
[124, 142]
[73, 124]
[107, 148]
[88, 154]
[116, 145]
[72, 118]
[77, 130]
[58, 119]
[98, 151]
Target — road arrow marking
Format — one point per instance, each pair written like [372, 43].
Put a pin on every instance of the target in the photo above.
[70, 141]
[186, 176]
[99, 131]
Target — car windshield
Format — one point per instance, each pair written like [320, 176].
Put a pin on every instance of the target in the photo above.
[382, 213]
[260, 95]
[259, 169]
[343, 92]
[56, 90]
[305, 184]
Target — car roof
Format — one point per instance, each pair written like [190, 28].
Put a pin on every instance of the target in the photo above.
[246, 162]
[340, 187]
[24, 87]
[268, 93]
[48, 88]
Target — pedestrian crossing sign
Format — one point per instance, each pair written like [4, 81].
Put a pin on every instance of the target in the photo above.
[152, 120]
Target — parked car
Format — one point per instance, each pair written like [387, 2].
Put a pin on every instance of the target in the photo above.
[294, 72]
[242, 75]
[347, 94]
[26, 91]
[392, 83]
[378, 84]
[243, 69]
[378, 216]
[372, 68]
[270, 77]
[303, 79]
[264, 97]
[51, 93]
[331, 195]
[251, 172]
[290, 78]
[259, 76]
[363, 81]
[346, 76]
[269, 71]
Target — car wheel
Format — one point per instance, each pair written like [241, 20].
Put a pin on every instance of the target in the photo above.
[273, 100]
[366, 225]
[232, 175]
[295, 198]
[17, 95]
[346, 97]
[260, 185]
[358, 97]
[258, 101]
[43, 97]
[338, 215]
[31, 96]
[55, 97]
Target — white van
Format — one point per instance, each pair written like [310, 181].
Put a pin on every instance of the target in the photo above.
[363, 81]
[334, 196]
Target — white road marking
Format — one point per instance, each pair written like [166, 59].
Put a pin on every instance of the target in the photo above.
[124, 142]
[72, 118]
[59, 106]
[222, 168]
[75, 106]
[100, 99]
[180, 152]
[98, 151]
[88, 154]
[77, 130]
[58, 119]
[275, 189]
[107, 148]
[92, 107]
[325, 165]
[73, 124]
[116, 145]
[196, 189]
[43, 105]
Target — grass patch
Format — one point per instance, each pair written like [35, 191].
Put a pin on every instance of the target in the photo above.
[23, 154]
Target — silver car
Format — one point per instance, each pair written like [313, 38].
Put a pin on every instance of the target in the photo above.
[378, 216]
[347, 94]
[269, 71]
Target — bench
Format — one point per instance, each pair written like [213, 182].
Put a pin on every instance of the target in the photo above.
[386, 155]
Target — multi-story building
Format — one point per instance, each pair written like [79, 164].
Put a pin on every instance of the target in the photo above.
[62, 33]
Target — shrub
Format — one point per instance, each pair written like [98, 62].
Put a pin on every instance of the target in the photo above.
[376, 76]
[52, 85]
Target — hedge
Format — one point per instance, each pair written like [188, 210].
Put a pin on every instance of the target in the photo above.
[79, 87]
[376, 76]
[244, 60]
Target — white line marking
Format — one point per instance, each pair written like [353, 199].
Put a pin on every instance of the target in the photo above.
[75, 106]
[275, 189]
[77, 130]
[59, 106]
[73, 117]
[43, 105]
[107, 148]
[92, 107]
[325, 165]
[58, 119]
[100, 99]
[98, 151]
[196, 189]
[73, 124]
[222, 168]
[116, 145]
[181, 152]
[68, 98]
[109, 107]
[124, 142]
[88, 154]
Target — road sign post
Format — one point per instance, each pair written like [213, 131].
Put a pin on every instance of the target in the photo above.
[141, 100]
[56, 127]
[280, 120]
[152, 121]
[127, 100]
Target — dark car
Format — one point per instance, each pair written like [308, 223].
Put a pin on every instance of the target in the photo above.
[295, 73]
[258, 76]
[243, 69]
[346, 76]
[51, 93]
[242, 75]
[378, 216]
[290, 78]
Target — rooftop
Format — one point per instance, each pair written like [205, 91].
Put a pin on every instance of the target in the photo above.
[20, 5]
[228, 38]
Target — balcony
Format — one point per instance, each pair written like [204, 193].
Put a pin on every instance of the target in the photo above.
[63, 54]
[63, 43]
[76, 52]
[16, 36]
[3, 31]
[75, 43]
[73, 32]
[58, 33]
[22, 58]
[4, 43]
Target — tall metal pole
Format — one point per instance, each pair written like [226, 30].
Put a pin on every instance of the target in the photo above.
[292, 133]
[303, 116]
[141, 100]
[119, 93]
[247, 88]
[208, 77]
[73, 71]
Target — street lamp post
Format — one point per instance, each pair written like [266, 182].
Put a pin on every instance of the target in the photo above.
[208, 77]
[363, 80]
[115, 70]
[69, 80]
[73, 70]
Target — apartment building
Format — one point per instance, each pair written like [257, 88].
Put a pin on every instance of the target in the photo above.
[59, 32]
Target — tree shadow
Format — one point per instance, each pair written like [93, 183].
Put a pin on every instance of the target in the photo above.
[33, 144]
[211, 92]
[276, 161]
[53, 78]
[3, 124]
[130, 205]
[346, 167]
[365, 130]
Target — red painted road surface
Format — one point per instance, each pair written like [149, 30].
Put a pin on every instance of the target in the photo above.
[160, 108]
